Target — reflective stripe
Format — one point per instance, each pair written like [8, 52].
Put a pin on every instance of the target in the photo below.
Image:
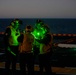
[13, 38]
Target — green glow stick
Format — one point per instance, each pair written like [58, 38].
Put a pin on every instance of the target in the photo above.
[11, 51]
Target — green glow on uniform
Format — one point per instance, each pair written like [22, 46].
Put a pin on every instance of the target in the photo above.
[14, 41]
[17, 21]
[39, 32]
[15, 35]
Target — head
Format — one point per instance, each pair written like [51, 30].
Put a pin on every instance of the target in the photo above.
[16, 23]
[28, 28]
[39, 23]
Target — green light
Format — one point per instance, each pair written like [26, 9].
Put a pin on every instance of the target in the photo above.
[73, 49]
[17, 21]
[38, 33]
[11, 51]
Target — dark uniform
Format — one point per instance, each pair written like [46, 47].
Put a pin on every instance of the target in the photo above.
[45, 54]
[26, 54]
[11, 47]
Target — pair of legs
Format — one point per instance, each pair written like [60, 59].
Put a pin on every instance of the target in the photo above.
[11, 60]
[26, 59]
[45, 63]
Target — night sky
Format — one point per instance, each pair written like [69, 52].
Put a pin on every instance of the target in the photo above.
[37, 8]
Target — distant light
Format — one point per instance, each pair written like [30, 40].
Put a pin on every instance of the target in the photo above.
[67, 45]
[59, 34]
[69, 34]
[1, 32]
[54, 34]
[64, 34]
[74, 34]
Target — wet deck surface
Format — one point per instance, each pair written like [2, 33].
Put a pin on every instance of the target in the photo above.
[55, 70]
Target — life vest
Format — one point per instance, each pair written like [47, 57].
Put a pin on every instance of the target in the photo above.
[46, 48]
[13, 37]
[27, 44]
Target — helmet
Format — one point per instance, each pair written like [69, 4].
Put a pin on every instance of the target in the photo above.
[28, 28]
[16, 21]
[39, 21]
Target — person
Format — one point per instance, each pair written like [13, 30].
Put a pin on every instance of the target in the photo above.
[39, 23]
[26, 51]
[11, 45]
[45, 51]
[35, 32]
